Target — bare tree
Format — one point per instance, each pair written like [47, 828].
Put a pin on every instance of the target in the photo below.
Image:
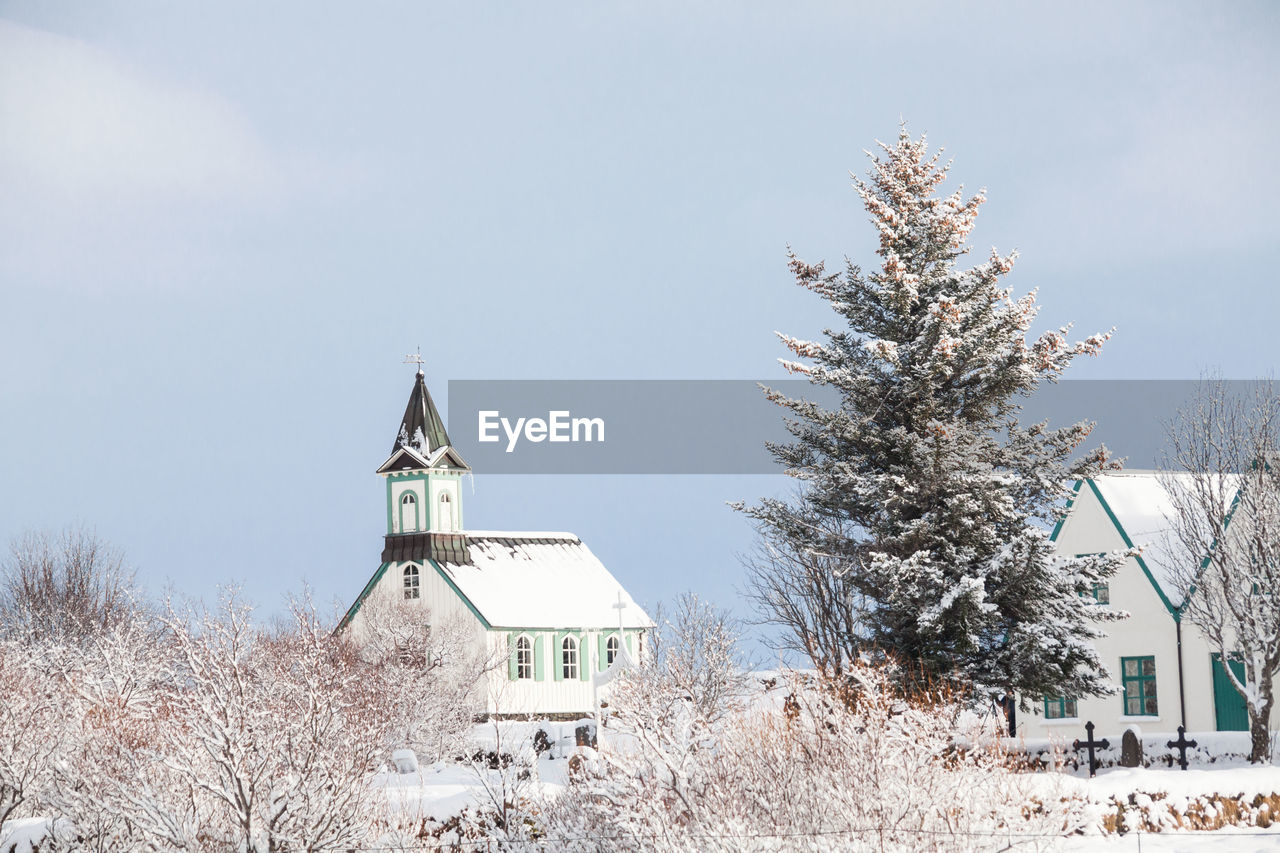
[31, 731]
[809, 593]
[430, 673]
[1223, 476]
[67, 585]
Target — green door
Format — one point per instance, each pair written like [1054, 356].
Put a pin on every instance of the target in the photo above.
[1228, 704]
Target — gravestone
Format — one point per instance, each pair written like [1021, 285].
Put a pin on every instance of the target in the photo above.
[405, 761]
[1131, 747]
[585, 735]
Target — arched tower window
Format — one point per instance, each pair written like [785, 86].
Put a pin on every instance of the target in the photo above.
[446, 512]
[411, 589]
[524, 659]
[611, 649]
[569, 658]
[408, 513]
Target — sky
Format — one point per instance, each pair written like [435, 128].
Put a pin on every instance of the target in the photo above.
[222, 227]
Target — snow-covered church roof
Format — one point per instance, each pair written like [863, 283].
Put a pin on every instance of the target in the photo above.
[541, 580]
[1143, 509]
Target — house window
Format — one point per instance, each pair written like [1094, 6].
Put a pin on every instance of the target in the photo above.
[1059, 708]
[611, 649]
[411, 582]
[569, 658]
[524, 659]
[1100, 592]
[1139, 677]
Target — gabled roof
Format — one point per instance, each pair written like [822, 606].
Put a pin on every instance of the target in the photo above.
[406, 458]
[539, 581]
[1141, 509]
[421, 427]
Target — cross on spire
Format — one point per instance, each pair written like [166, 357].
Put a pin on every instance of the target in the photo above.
[415, 358]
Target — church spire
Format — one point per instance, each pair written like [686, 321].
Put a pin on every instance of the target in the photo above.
[421, 428]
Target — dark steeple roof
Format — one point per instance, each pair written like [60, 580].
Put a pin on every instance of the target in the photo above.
[421, 429]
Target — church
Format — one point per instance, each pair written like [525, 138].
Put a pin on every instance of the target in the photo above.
[541, 603]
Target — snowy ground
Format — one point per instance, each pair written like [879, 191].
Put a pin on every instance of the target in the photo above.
[441, 791]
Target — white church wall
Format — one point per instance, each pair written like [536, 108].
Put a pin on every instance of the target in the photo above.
[549, 695]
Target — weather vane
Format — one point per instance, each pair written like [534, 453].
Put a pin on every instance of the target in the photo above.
[415, 358]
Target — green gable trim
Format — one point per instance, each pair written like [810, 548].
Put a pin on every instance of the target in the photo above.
[1057, 528]
[453, 586]
[382, 570]
[368, 588]
[1204, 564]
[1115, 522]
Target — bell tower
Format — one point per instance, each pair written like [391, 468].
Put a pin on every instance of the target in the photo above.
[424, 479]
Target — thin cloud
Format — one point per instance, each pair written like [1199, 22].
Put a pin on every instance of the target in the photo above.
[78, 122]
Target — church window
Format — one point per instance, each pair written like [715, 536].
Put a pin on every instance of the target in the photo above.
[611, 649]
[446, 512]
[1059, 708]
[569, 658]
[411, 589]
[524, 659]
[408, 513]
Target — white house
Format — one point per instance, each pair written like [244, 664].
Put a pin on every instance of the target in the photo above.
[1166, 672]
[541, 601]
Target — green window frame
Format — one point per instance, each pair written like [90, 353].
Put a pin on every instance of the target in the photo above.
[1100, 593]
[1138, 675]
[1060, 708]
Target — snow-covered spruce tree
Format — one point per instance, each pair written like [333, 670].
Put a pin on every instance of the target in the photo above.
[941, 500]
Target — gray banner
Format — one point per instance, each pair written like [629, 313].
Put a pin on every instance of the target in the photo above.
[720, 426]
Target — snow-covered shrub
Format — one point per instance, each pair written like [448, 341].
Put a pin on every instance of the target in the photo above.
[881, 772]
[31, 730]
[428, 675]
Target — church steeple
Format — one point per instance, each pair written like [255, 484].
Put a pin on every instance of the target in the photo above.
[421, 428]
[423, 474]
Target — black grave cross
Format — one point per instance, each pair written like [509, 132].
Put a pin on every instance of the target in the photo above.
[1182, 745]
[1090, 744]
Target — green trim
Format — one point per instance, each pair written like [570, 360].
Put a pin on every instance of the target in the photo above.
[1168, 605]
[584, 659]
[417, 514]
[1057, 528]
[1204, 564]
[513, 657]
[538, 654]
[390, 524]
[453, 586]
[1061, 708]
[557, 656]
[355, 607]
